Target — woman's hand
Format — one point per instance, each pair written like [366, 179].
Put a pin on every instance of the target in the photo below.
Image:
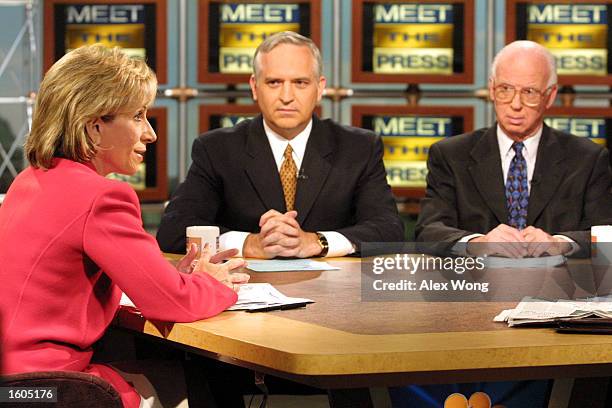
[188, 262]
[211, 264]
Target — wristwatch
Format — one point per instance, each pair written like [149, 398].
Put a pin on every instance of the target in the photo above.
[323, 244]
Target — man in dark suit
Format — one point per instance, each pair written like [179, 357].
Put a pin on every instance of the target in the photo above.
[519, 188]
[246, 179]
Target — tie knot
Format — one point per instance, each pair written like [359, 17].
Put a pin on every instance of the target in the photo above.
[518, 147]
[288, 152]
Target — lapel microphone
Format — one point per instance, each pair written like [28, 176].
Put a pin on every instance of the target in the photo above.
[301, 175]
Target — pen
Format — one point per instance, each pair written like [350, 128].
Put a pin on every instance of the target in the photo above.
[278, 307]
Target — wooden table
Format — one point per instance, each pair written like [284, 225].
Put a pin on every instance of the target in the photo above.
[340, 342]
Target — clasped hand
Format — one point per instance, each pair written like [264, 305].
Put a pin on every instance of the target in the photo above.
[281, 235]
[510, 242]
[211, 265]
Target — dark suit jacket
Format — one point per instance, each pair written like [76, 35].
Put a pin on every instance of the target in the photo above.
[233, 180]
[570, 188]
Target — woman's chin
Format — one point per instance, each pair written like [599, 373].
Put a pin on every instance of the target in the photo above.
[126, 172]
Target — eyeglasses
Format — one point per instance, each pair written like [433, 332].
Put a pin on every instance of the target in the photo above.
[531, 97]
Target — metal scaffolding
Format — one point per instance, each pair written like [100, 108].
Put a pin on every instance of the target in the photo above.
[25, 79]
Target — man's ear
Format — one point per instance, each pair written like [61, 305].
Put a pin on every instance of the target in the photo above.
[550, 100]
[491, 90]
[253, 84]
[321, 86]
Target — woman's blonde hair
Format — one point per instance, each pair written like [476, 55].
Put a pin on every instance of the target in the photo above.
[87, 83]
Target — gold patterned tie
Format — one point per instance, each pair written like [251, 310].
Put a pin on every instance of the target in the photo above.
[288, 175]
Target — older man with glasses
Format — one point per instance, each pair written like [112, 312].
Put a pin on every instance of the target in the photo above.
[519, 187]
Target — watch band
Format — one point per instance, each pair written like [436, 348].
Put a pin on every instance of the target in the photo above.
[323, 244]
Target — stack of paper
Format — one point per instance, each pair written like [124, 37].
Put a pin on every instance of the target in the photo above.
[538, 311]
[264, 297]
[253, 297]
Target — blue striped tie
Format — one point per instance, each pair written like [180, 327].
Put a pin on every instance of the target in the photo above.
[517, 191]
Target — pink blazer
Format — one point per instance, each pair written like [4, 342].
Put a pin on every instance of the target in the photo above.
[70, 242]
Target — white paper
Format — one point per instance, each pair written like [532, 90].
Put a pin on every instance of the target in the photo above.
[284, 265]
[540, 262]
[250, 296]
[259, 295]
[503, 316]
[126, 301]
[531, 310]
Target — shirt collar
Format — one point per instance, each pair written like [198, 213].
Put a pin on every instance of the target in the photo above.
[279, 143]
[531, 143]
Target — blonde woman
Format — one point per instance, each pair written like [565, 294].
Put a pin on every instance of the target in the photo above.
[72, 240]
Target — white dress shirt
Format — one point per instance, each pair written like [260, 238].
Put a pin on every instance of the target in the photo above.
[507, 153]
[339, 245]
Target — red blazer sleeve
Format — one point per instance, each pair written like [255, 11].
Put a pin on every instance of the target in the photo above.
[114, 239]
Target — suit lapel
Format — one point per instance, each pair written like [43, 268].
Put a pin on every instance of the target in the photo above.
[488, 175]
[549, 170]
[315, 168]
[260, 167]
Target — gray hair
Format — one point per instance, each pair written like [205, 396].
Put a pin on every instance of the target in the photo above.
[528, 45]
[288, 37]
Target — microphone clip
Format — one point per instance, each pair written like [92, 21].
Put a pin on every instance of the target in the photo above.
[301, 175]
